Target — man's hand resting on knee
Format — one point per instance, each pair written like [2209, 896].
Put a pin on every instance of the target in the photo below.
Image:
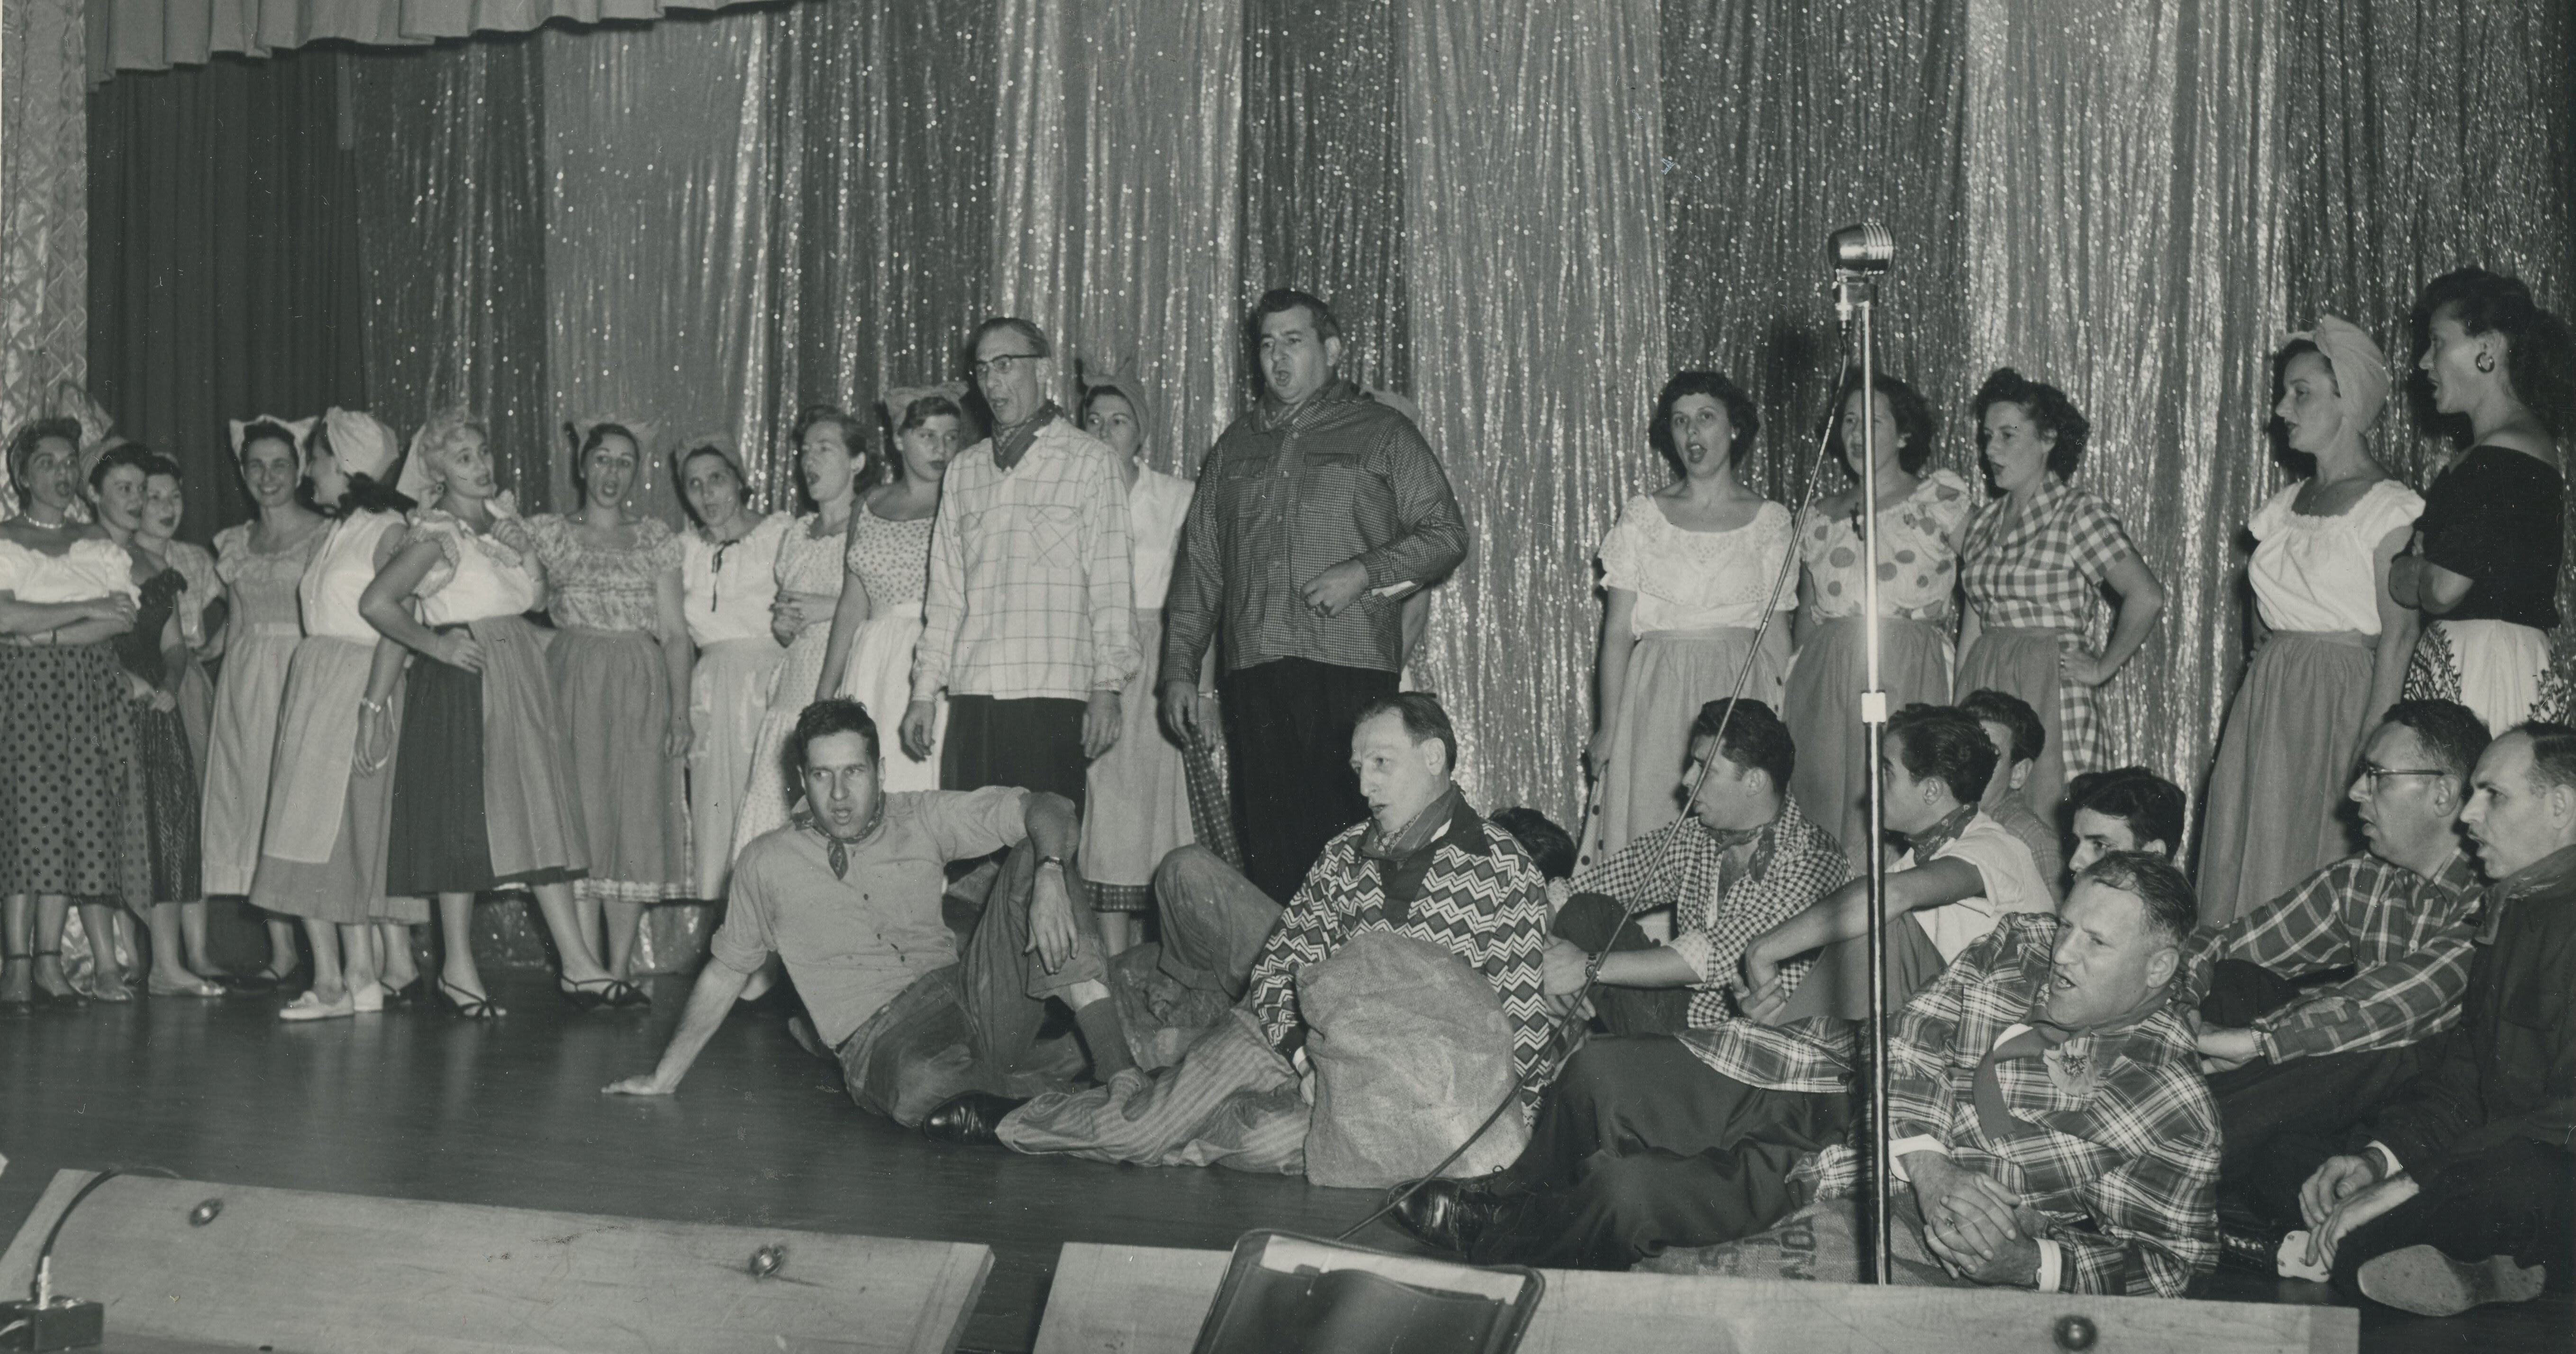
[1051, 932]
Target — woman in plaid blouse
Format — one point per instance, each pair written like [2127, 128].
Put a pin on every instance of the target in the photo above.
[2033, 562]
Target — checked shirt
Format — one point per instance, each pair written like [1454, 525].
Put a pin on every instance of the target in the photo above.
[2409, 937]
[2045, 572]
[1481, 900]
[1794, 863]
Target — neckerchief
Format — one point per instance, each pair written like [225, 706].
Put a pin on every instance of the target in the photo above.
[1929, 841]
[835, 849]
[1013, 442]
[1417, 833]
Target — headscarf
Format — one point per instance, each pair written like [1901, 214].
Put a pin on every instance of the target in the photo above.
[722, 445]
[1127, 388]
[2360, 369]
[361, 442]
[297, 430]
[419, 483]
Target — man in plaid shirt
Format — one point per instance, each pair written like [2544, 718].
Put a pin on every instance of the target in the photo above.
[2295, 1067]
[1745, 860]
[2044, 1104]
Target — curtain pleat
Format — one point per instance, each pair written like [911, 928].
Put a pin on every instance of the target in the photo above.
[44, 209]
[155, 35]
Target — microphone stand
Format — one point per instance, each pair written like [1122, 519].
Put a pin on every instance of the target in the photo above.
[1856, 298]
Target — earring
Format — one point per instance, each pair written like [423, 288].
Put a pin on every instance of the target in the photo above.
[2486, 362]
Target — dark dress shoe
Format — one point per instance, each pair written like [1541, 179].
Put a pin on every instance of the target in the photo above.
[2248, 1250]
[971, 1120]
[1451, 1214]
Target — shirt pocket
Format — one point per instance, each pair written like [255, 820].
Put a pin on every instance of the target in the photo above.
[1055, 534]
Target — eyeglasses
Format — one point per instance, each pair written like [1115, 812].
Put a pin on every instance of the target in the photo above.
[1003, 364]
[2374, 773]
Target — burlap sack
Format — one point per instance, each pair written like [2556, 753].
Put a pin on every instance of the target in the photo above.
[1822, 1241]
[1411, 1052]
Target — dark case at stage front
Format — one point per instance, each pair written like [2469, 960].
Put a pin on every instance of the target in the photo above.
[1289, 1294]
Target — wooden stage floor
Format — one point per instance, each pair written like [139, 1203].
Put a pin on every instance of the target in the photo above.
[414, 1105]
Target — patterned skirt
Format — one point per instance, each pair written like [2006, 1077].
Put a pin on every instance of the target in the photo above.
[2496, 668]
[69, 823]
[164, 775]
[1821, 706]
[613, 718]
[2023, 662]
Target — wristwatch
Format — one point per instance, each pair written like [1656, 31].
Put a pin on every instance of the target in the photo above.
[1045, 861]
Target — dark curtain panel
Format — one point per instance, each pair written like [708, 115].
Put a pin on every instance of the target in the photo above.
[224, 275]
[450, 188]
[1784, 120]
[1323, 172]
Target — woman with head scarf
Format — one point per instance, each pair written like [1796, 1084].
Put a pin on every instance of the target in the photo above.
[2331, 648]
[2484, 566]
[868, 656]
[727, 585]
[328, 801]
[259, 563]
[1138, 810]
[481, 798]
[66, 723]
[620, 665]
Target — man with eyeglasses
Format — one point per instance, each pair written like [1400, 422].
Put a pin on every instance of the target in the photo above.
[1028, 623]
[1317, 512]
[2295, 1064]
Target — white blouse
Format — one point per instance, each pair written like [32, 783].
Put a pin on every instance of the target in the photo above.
[1156, 508]
[477, 577]
[727, 588]
[1697, 580]
[2315, 573]
[90, 569]
[343, 565]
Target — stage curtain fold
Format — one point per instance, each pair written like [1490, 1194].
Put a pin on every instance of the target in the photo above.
[1534, 254]
[224, 262]
[153, 35]
[2124, 210]
[44, 209]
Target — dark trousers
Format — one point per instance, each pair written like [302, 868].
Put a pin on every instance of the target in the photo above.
[1288, 735]
[1034, 743]
[2280, 1121]
[1594, 922]
[2518, 1199]
[1639, 1145]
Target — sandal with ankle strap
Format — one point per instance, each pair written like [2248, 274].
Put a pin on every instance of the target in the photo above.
[464, 1005]
[591, 994]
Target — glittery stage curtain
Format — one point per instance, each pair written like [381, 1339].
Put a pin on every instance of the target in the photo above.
[44, 208]
[1534, 251]
[1784, 120]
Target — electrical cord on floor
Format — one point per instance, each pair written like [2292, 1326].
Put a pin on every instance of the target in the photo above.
[41, 1288]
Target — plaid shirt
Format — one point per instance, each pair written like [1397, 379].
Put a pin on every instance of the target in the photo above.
[2409, 937]
[1482, 900]
[1794, 863]
[1030, 575]
[1287, 494]
[2045, 572]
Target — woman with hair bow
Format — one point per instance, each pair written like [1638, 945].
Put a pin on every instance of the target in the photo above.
[2333, 643]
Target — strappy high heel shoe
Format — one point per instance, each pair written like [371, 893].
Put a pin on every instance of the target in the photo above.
[593, 993]
[464, 1005]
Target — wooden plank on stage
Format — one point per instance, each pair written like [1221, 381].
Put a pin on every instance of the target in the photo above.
[1150, 1300]
[295, 1271]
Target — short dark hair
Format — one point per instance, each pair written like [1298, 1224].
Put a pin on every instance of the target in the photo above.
[1915, 424]
[1423, 720]
[1281, 300]
[813, 416]
[2553, 753]
[2152, 806]
[22, 445]
[2540, 353]
[1742, 419]
[2450, 731]
[265, 430]
[584, 443]
[2172, 908]
[926, 408]
[2029, 736]
[2049, 410]
[1755, 738]
[822, 719]
[1947, 744]
[1550, 847]
[1036, 337]
[157, 464]
[133, 454]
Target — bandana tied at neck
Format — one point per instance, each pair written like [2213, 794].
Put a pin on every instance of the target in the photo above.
[1013, 442]
[836, 849]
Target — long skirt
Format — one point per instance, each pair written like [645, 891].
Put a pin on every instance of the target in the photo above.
[1821, 706]
[241, 746]
[613, 718]
[69, 823]
[728, 693]
[765, 799]
[2023, 662]
[1138, 794]
[480, 796]
[879, 676]
[165, 776]
[1670, 676]
[322, 853]
[2496, 668]
[2276, 811]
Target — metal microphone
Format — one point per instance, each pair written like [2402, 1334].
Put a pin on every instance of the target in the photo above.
[1864, 248]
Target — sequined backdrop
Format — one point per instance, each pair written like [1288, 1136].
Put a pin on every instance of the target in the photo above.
[44, 216]
[1534, 247]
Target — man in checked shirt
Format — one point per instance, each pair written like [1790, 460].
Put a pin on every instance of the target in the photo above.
[2295, 1067]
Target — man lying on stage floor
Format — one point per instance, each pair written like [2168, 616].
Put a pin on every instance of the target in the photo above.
[2293, 1067]
[1744, 860]
[1424, 866]
[848, 896]
[2050, 1128]
[2461, 1190]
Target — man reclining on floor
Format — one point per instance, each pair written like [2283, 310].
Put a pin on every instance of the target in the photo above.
[848, 896]
[2050, 1126]
[1424, 866]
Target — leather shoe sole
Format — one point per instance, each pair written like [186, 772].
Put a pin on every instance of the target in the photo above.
[970, 1120]
[2422, 1280]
